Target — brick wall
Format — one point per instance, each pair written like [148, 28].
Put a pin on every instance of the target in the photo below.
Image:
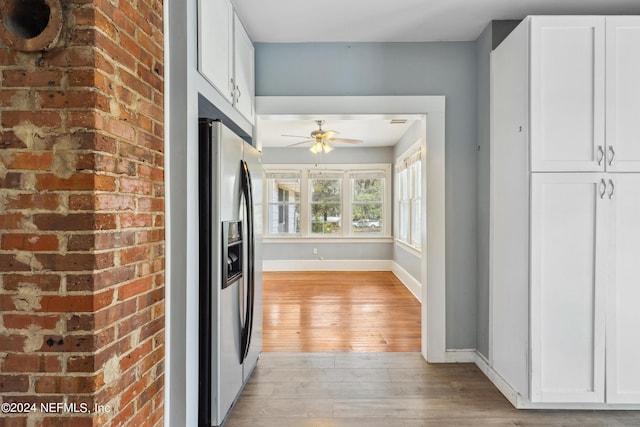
[82, 220]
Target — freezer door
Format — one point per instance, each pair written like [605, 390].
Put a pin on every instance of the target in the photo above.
[230, 146]
[253, 160]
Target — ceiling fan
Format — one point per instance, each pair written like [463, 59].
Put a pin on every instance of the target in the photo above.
[322, 139]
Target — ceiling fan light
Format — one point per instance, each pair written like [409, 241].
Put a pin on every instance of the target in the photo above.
[326, 147]
[316, 148]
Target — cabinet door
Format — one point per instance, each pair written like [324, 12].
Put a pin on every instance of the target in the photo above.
[623, 291]
[623, 93]
[567, 287]
[244, 71]
[215, 44]
[567, 93]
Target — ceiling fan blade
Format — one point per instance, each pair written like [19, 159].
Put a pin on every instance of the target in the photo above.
[329, 134]
[302, 142]
[296, 136]
[346, 140]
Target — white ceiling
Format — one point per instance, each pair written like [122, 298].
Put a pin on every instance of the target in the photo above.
[374, 131]
[286, 21]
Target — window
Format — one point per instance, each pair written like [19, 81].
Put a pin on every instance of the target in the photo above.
[367, 202]
[333, 201]
[409, 197]
[326, 204]
[283, 191]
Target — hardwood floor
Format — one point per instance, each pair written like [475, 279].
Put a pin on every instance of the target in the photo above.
[339, 311]
[387, 389]
[312, 316]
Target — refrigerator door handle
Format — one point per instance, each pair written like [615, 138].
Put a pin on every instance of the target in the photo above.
[248, 205]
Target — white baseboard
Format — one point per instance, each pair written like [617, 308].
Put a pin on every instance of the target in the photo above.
[413, 284]
[459, 356]
[512, 396]
[520, 402]
[327, 265]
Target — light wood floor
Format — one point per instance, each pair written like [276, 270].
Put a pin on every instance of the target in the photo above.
[339, 311]
[369, 389]
[387, 390]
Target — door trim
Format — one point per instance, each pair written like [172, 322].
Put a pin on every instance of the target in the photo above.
[432, 112]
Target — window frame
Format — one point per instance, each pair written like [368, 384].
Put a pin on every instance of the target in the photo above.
[345, 171]
[280, 205]
[410, 163]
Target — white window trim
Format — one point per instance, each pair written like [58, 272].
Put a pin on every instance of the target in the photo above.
[305, 215]
[414, 150]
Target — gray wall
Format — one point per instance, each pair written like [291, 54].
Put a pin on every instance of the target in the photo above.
[493, 34]
[438, 68]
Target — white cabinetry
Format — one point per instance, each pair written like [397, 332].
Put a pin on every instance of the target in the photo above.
[244, 65]
[623, 93]
[568, 262]
[226, 55]
[623, 291]
[565, 212]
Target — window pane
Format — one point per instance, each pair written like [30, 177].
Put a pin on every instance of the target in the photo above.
[366, 205]
[325, 190]
[367, 190]
[284, 205]
[326, 206]
[415, 223]
[403, 223]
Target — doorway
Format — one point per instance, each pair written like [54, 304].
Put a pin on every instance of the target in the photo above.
[432, 112]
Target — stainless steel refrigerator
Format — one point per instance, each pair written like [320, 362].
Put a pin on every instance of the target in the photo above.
[230, 318]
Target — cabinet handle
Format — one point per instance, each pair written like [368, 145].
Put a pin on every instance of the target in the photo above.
[613, 187]
[600, 155]
[613, 154]
[239, 93]
[603, 188]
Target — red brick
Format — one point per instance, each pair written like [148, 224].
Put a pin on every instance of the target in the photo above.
[29, 242]
[14, 383]
[114, 313]
[65, 384]
[75, 56]
[81, 364]
[24, 321]
[138, 353]
[70, 222]
[48, 119]
[9, 263]
[42, 282]
[11, 221]
[132, 255]
[67, 99]
[32, 78]
[76, 182]
[135, 186]
[30, 161]
[113, 202]
[134, 288]
[67, 304]
[34, 201]
[31, 363]
[12, 343]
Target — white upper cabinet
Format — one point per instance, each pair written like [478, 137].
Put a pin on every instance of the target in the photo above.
[226, 55]
[567, 93]
[244, 80]
[623, 93]
[215, 44]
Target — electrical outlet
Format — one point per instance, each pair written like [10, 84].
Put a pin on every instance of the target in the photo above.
[315, 251]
